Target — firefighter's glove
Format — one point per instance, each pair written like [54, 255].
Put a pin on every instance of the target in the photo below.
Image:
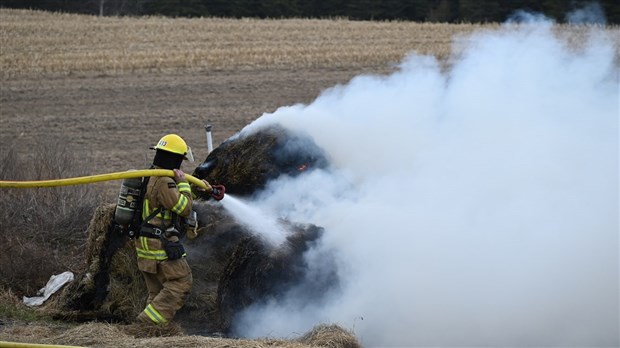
[179, 176]
[174, 250]
[201, 192]
[218, 192]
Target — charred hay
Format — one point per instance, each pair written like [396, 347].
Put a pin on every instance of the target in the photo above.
[256, 272]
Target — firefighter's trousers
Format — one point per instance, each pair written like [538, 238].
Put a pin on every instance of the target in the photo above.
[168, 287]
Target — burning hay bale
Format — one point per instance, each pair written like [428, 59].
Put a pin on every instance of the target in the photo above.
[245, 163]
[258, 272]
[232, 266]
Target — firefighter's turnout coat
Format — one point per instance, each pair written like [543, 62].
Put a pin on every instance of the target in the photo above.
[168, 281]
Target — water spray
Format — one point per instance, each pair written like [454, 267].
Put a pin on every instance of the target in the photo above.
[256, 220]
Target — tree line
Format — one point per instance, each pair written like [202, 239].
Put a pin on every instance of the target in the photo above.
[450, 11]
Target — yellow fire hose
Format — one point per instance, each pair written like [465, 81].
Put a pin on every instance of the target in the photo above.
[98, 178]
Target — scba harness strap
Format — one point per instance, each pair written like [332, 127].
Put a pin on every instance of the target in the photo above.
[173, 250]
[152, 231]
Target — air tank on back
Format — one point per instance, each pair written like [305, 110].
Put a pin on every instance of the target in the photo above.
[128, 201]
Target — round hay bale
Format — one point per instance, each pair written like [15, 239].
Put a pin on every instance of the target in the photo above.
[257, 272]
[246, 162]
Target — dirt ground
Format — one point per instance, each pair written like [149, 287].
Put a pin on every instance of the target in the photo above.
[110, 121]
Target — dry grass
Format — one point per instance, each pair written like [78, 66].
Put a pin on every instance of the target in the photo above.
[32, 329]
[43, 43]
[42, 230]
[109, 335]
[331, 336]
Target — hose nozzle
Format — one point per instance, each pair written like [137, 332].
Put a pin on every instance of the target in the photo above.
[218, 192]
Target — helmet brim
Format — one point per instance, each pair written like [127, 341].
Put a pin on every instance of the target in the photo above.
[189, 156]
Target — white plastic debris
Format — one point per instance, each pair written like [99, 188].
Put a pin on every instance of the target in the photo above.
[54, 284]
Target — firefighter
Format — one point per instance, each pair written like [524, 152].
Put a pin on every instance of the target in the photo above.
[161, 256]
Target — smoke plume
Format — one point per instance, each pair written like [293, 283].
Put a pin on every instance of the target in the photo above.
[474, 205]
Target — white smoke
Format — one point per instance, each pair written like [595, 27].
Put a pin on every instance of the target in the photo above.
[476, 206]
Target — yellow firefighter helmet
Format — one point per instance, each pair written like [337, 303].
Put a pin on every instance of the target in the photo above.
[174, 144]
